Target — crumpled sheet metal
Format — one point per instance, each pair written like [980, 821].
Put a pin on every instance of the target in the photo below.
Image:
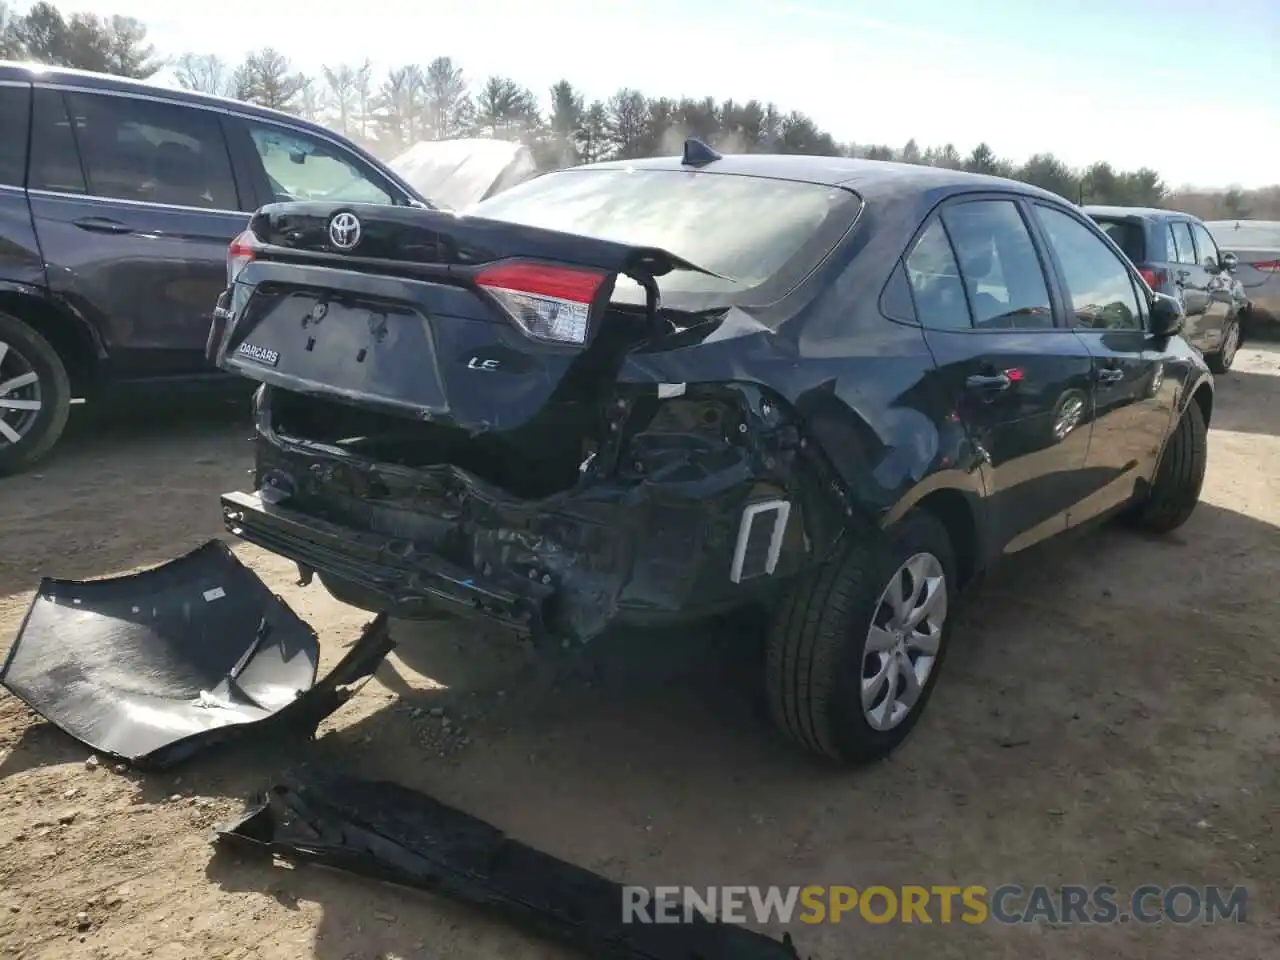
[387, 832]
[155, 666]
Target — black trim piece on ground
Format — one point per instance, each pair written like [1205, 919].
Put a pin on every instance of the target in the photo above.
[387, 832]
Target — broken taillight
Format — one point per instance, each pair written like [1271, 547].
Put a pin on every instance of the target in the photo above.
[240, 253]
[548, 302]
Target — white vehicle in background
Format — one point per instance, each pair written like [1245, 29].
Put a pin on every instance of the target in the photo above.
[458, 173]
[1256, 244]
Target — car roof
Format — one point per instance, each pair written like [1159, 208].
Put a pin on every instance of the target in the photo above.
[41, 73]
[1135, 213]
[12, 71]
[870, 178]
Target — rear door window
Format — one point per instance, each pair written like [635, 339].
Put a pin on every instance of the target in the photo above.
[151, 152]
[302, 167]
[1206, 249]
[998, 265]
[55, 162]
[15, 112]
[1184, 250]
[935, 281]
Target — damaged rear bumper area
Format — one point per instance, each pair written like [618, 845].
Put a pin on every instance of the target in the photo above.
[691, 504]
[154, 667]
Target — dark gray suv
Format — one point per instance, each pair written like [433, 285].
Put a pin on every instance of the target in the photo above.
[117, 202]
[1178, 257]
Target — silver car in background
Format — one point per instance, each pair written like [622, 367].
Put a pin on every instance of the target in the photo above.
[1256, 244]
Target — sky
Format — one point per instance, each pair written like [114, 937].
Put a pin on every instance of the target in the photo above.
[1188, 87]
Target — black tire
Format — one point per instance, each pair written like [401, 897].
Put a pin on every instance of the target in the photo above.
[55, 396]
[1179, 478]
[817, 644]
[1220, 361]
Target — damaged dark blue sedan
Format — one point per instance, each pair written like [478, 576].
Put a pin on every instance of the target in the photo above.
[638, 392]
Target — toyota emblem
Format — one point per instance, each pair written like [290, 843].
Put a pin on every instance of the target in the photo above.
[344, 231]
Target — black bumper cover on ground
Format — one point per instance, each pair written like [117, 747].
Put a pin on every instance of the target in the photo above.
[388, 832]
[156, 666]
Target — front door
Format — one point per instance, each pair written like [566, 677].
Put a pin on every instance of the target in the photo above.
[134, 202]
[1108, 314]
[1021, 383]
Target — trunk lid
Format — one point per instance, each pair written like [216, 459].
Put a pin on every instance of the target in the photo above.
[462, 321]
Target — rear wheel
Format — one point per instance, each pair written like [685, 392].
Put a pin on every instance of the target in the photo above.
[1176, 489]
[854, 652]
[35, 396]
[1220, 362]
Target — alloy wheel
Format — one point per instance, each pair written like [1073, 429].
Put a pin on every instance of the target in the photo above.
[1230, 345]
[1069, 417]
[20, 397]
[902, 644]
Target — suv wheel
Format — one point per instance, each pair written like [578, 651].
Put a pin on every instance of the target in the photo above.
[1176, 489]
[1221, 360]
[35, 396]
[854, 651]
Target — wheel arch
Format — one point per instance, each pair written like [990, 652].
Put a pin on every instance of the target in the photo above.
[958, 508]
[75, 340]
[1202, 394]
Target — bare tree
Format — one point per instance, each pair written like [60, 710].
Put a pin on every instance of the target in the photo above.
[311, 100]
[364, 97]
[628, 113]
[204, 73]
[340, 82]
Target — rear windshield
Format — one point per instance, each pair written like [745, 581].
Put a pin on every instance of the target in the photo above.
[1127, 235]
[765, 235]
[1246, 234]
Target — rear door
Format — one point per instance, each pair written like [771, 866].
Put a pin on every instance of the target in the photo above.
[1021, 382]
[20, 260]
[1132, 406]
[134, 202]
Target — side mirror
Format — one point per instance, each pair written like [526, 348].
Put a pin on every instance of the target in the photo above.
[1229, 262]
[1167, 316]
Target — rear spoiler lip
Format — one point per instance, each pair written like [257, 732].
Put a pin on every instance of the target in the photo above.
[504, 240]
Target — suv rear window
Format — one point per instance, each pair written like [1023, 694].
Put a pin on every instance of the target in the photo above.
[764, 234]
[1126, 235]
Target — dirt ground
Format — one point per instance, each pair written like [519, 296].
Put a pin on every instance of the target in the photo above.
[1109, 714]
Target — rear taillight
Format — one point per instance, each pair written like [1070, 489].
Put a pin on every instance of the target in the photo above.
[240, 254]
[1156, 279]
[1268, 266]
[549, 302]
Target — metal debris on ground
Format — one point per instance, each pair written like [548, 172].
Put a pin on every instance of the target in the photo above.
[387, 832]
[153, 667]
